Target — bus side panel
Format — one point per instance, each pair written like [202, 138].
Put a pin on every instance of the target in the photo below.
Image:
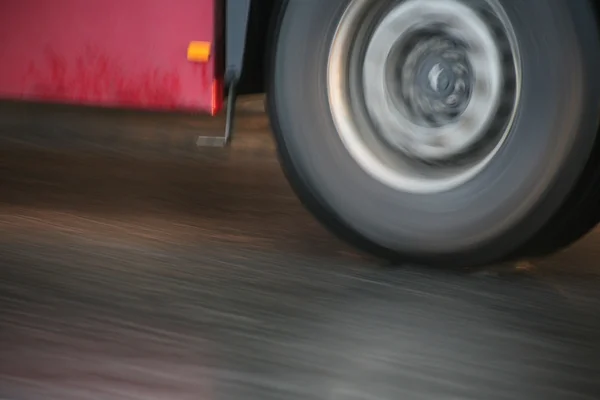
[113, 53]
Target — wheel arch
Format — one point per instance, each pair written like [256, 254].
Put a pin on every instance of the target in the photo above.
[259, 25]
[262, 14]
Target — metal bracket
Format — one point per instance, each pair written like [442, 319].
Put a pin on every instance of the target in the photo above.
[237, 13]
[222, 141]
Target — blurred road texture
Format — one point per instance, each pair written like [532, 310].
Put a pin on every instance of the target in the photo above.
[135, 266]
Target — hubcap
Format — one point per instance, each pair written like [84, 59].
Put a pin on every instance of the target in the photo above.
[429, 94]
[435, 82]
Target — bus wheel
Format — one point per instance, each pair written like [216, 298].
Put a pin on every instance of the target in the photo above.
[452, 132]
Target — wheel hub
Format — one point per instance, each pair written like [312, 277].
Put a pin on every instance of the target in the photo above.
[423, 92]
[436, 81]
[445, 61]
[436, 77]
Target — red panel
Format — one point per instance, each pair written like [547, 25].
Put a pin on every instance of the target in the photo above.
[115, 53]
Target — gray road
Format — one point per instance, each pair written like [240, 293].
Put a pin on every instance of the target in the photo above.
[133, 266]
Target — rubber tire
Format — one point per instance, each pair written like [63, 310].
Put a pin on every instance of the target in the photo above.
[577, 217]
[507, 209]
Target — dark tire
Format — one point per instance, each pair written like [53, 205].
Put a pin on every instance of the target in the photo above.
[577, 216]
[534, 195]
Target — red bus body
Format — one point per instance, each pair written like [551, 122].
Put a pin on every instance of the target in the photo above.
[111, 53]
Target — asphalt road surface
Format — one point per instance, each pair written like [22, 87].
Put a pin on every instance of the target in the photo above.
[135, 266]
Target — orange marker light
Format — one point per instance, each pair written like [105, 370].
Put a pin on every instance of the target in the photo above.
[198, 52]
